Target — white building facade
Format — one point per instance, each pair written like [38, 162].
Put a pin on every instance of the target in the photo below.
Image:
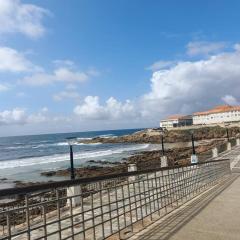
[219, 114]
[176, 121]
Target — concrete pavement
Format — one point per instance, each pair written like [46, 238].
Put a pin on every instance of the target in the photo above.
[214, 215]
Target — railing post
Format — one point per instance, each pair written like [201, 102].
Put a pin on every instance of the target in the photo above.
[9, 225]
[229, 146]
[113, 209]
[44, 221]
[214, 152]
[71, 193]
[164, 161]
[27, 217]
[194, 158]
[132, 168]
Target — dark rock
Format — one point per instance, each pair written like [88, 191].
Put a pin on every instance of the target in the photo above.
[48, 174]
[3, 179]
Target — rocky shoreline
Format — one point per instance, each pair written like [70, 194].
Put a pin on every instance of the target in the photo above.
[173, 136]
[143, 160]
[178, 154]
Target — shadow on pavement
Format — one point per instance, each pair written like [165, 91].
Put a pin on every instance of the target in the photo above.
[175, 221]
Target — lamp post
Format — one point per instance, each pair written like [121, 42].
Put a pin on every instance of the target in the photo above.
[193, 146]
[162, 141]
[194, 158]
[164, 160]
[74, 193]
[229, 145]
[71, 142]
[227, 134]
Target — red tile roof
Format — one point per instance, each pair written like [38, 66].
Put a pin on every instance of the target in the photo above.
[178, 116]
[173, 117]
[219, 109]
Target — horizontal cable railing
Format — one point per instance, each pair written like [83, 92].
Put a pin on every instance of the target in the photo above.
[103, 207]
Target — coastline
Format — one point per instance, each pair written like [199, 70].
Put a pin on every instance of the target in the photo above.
[143, 160]
[177, 148]
[5, 183]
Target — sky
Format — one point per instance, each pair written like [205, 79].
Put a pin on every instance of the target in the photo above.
[85, 65]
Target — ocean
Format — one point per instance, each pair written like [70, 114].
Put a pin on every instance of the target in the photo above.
[23, 158]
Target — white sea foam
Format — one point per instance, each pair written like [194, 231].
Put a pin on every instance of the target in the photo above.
[46, 145]
[87, 138]
[60, 144]
[89, 144]
[107, 136]
[38, 145]
[25, 162]
[16, 147]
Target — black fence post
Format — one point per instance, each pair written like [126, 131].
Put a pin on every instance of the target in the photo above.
[163, 150]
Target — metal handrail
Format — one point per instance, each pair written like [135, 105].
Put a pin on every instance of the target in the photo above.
[68, 183]
[109, 205]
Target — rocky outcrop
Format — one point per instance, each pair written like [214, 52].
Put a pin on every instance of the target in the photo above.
[90, 171]
[144, 160]
[172, 136]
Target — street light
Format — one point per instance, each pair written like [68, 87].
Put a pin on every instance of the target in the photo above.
[226, 126]
[194, 158]
[162, 141]
[71, 141]
[227, 134]
[193, 145]
[164, 161]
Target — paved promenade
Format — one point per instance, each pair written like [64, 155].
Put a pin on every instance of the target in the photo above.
[214, 215]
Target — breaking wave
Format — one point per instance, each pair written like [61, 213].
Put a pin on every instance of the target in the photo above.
[31, 161]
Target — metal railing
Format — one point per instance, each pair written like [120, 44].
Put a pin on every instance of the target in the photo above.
[233, 142]
[102, 207]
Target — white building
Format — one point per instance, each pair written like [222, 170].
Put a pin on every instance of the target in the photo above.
[219, 114]
[176, 121]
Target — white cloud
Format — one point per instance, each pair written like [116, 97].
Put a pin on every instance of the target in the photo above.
[20, 116]
[93, 72]
[91, 109]
[160, 65]
[193, 86]
[17, 17]
[229, 99]
[39, 117]
[64, 62]
[13, 61]
[66, 94]
[110, 110]
[44, 109]
[14, 116]
[45, 116]
[3, 87]
[62, 74]
[202, 48]
[71, 86]
[237, 46]
[20, 94]
[186, 87]
[65, 74]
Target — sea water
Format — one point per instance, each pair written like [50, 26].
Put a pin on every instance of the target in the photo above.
[25, 157]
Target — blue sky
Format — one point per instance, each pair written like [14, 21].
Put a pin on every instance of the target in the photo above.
[91, 65]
